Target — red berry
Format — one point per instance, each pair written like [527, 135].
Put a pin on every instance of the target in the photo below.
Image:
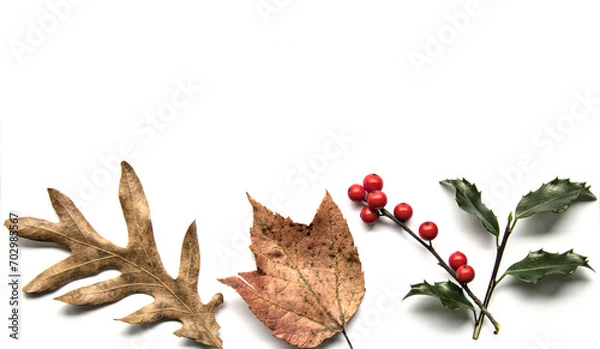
[369, 215]
[465, 273]
[356, 192]
[456, 260]
[403, 211]
[376, 199]
[372, 182]
[428, 231]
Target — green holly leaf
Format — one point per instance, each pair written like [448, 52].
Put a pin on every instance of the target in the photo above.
[451, 296]
[469, 200]
[555, 196]
[541, 263]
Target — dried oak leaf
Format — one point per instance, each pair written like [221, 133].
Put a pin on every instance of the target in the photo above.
[308, 281]
[141, 268]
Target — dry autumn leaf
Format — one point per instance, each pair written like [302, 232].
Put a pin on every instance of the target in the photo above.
[308, 281]
[141, 268]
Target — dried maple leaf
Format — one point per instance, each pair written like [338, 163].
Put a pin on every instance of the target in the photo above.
[141, 269]
[308, 281]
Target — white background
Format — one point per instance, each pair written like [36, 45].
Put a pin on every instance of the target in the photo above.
[309, 98]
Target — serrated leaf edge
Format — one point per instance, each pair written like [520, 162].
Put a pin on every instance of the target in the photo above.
[587, 194]
[496, 230]
[437, 297]
[571, 275]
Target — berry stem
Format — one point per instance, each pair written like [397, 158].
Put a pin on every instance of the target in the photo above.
[510, 226]
[444, 265]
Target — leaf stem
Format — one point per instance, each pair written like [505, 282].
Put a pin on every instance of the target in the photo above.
[444, 265]
[501, 278]
[510, 225]
[347, 338]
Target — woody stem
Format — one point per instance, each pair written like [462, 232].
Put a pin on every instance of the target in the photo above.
[444, 265]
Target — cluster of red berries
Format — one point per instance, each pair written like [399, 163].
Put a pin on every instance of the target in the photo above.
[464, 272]
[371, 192]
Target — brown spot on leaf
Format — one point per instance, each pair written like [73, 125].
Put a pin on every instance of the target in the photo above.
[276, 254]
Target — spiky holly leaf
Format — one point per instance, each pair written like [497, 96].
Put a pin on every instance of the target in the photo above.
[450, 294]
[539, 264]
[555, 196]
[468, 199]
[141, 268]
[308, 281]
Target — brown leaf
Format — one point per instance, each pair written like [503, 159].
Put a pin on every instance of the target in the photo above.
[308, 281]
[141, 269]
